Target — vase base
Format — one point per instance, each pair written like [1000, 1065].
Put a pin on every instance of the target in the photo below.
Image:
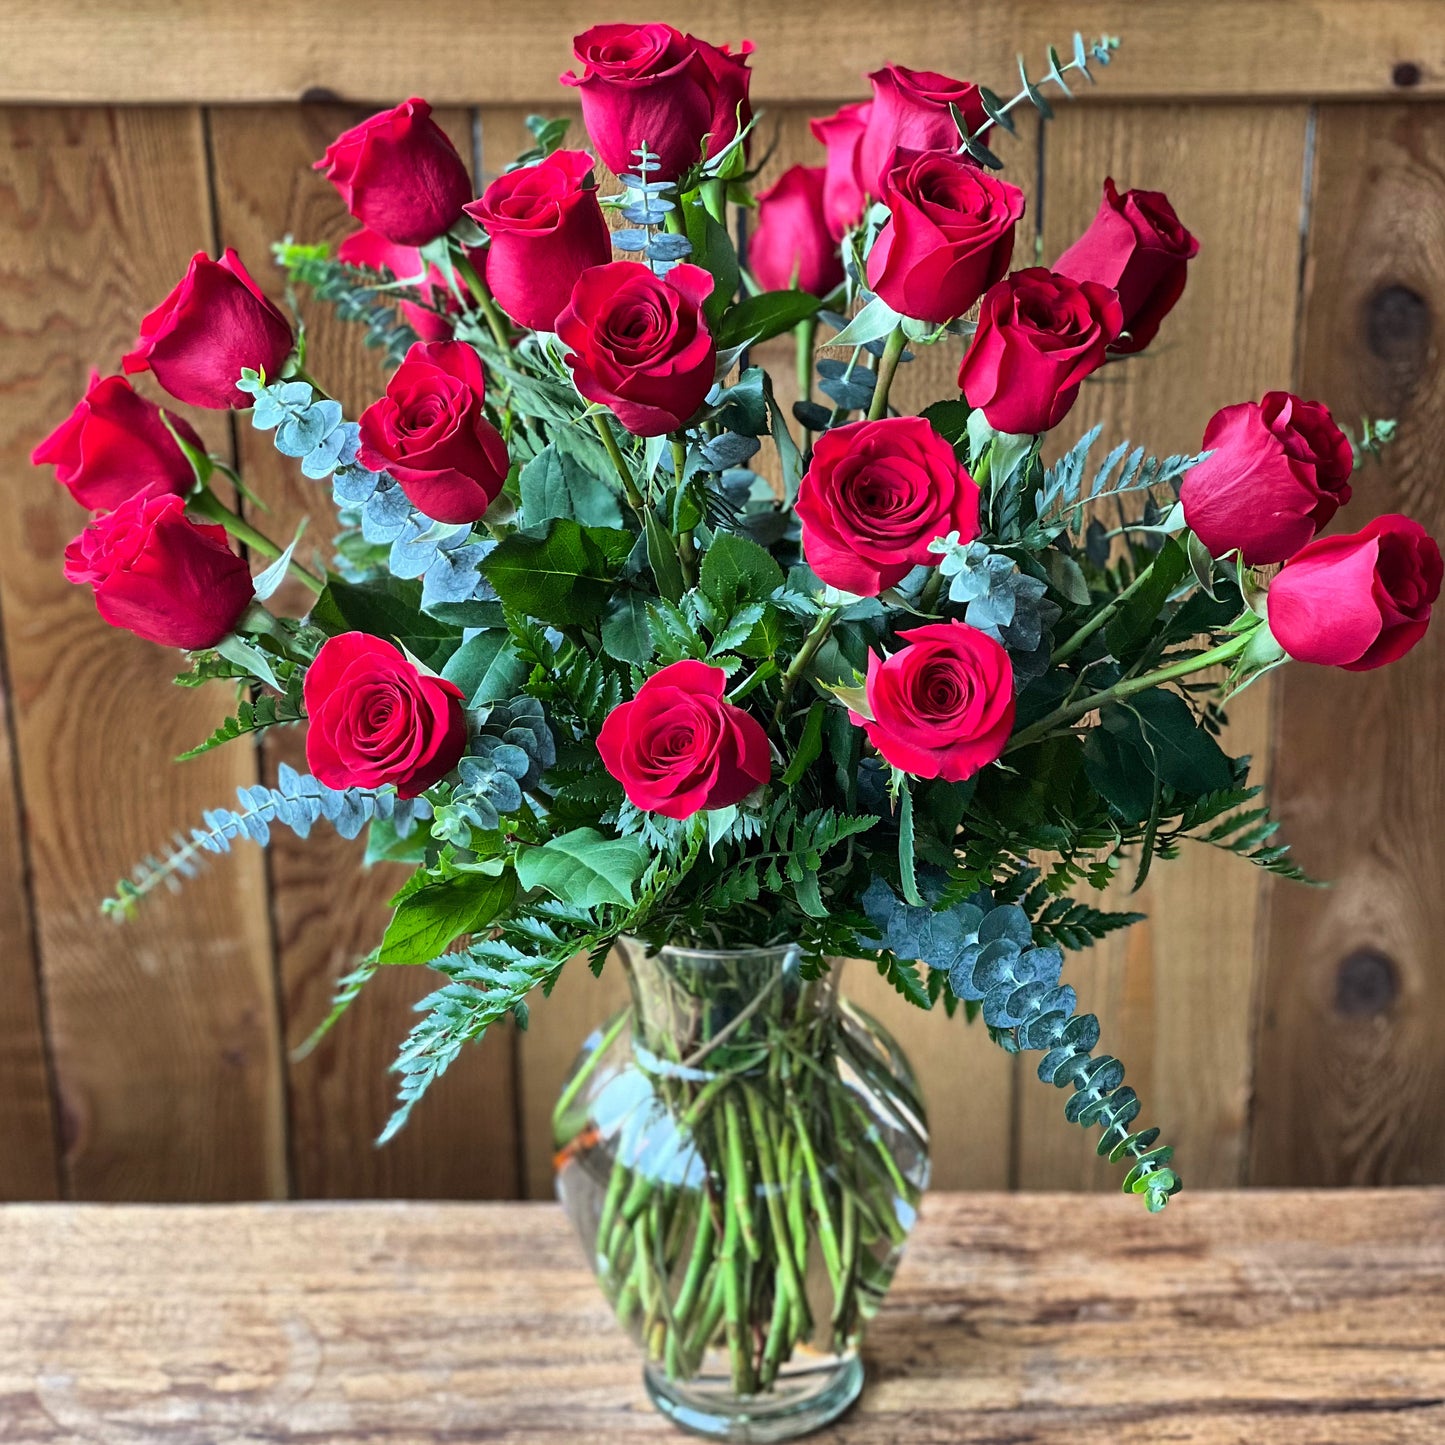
[803, 1400]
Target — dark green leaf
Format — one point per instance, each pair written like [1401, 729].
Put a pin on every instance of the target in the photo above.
[433, 916]
[712, 249]
[1119, 772]
[486, 669]
[556, 484]
[1185, 756]
[626, 632]
[584, 868]
[810, 745]
[736, 571]
[662, 558]
[949, 419]
[389, 608]
[564, 577]
[764, 316]
[1135, 620]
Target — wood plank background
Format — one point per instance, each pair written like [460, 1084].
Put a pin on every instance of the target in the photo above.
[1278, 1034]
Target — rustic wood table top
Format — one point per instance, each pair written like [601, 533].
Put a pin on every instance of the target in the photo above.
[1254, 1317]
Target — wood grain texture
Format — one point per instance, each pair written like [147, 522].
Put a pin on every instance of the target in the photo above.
[501, 53]
[1175, 994]
[1350, 1070]
[1289, 1318]
[163, 1034]
[329, 910]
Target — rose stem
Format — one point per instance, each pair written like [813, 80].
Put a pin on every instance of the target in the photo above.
[1074, 643]
[928, 598]
[892, 350]
[806, 334]
[806, 653]
[1072, 711]
[209, 505]
[686, 548]
[301, 374]
[484, 300]
[629, 487]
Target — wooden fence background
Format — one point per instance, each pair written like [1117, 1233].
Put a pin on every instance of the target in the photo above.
[1279, 1035]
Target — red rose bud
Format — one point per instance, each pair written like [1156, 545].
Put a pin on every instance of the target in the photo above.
[731, 108]
[376, 719]
[431, 433]
[943, 706]
[115, 445]
[949, 237]
[1136, 245]
[207, 331]
[372, 252]
[1279, 470]
[875, 494]
[911, 112]
[644, 84]
[547, 229]
[1039, 335]
[639, 343]
[399, 174]
[842, 133]
[790, 245]
[678, 747]
[160, 575]
[1358, 601]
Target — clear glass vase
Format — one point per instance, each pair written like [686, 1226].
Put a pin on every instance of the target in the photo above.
[742, 1154]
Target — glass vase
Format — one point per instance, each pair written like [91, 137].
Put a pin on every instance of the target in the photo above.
[742, 1153]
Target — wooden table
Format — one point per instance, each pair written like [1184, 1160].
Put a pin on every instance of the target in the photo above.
[1260, 1317]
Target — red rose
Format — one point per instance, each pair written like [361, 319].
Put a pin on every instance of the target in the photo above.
[399, 174]
[841, 133]
[376, 719]
[943, 706]
[639, 344]
[949, 237]
[731, 107]
[375, 253]
[678, 747]
[1359, 601]
[1280, 470]
[911, 112]
[875, 494]
[644, 84]
[431, 433]
[1039, 335]
[160, 575]
[790, 244]
[213, 325]
[546, 229]
[1136, 245]
[115, 446]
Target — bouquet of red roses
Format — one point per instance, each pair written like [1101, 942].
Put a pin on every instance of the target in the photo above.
[598, 677]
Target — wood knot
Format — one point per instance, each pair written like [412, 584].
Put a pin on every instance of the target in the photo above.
[1406, 74]
[1367, 983]
[1397, 325]
[318, 95]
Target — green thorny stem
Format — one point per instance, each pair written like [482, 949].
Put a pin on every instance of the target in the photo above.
[1072, 711]
[209, 505]
[496, 323]
[1072, 644]
[806, 653]
[887, 365]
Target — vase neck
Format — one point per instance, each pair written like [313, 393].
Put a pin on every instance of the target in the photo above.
[714, 1011]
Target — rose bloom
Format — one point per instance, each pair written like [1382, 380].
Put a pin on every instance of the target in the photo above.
[949, 237]
[1039, 335]
[639, 343]
[790, 244]
[910, 112]
[842, 133]
[547, 229]
[115, 445]
[214, 324]
[943, 706]
[875, 494]
[652, 84]
[431, 433]
[1136, 245]
[679, 747]
[374, 718]
[1357, 601]
[375, 253]
[1279, 470]
[399, 174]
[160, 575]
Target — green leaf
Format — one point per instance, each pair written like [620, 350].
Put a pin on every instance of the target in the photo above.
[1200, 563]
[562, 577]
[267, 711]
[584, 868]
[556, 484]
[389, 608]
[810, 745]
[736, 571]
[906, 865]
[486, 669]
[1067, 578]
[1136, 618]
[433, 916]
[237, 650]
[875, 321]
[1118, 771]
[662, 558]
[760, 318]
[949, 419]
[626, 632]
[712, 249]
[1185, 756]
